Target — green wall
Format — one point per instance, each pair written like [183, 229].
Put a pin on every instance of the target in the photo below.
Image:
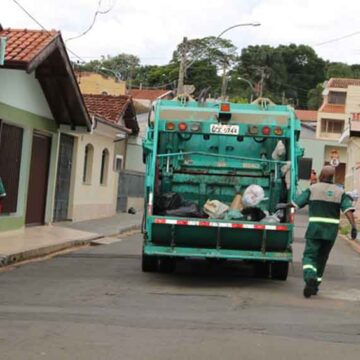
[30, 122]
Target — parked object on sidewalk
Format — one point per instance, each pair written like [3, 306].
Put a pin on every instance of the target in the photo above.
[237, 203]
[215, 209]
[279, 151]
[252, 196]
[132, 211]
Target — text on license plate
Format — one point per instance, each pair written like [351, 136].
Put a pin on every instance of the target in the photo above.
[224, 129]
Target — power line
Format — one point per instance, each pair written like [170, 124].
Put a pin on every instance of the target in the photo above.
[337, 39]
[97, 12]
[43, 27]
[23, 9]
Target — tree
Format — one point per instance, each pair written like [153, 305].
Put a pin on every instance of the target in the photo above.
[338, 70]
[315, 97]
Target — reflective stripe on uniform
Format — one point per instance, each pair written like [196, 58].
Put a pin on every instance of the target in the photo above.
[319, 279]
[324, 220]
[309, 267]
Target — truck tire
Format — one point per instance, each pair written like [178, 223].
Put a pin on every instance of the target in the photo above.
[167, 265]
[279, 270]
[262, 270]
[149, 263]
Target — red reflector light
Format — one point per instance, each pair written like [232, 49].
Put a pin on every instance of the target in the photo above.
[278, 131]
[266, 130]
[182, 126]
[170, 126]
[225, 107]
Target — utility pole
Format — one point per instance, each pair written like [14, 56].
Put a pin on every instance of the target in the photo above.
[182, 69]
[224, 81]
[262, 72]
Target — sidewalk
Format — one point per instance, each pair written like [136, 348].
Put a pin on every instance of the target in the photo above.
[40, 241]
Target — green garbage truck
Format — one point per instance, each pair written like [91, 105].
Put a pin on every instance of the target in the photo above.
[203, 154]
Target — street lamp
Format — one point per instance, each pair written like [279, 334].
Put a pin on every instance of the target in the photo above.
[117, 74]
[184, 67]
[251, 87]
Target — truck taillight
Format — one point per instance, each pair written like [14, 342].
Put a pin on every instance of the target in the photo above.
[225, 107]
[278, 131]
[170, 126]
[182, 126]
[253, 130]
[266, 130]
[195, 127]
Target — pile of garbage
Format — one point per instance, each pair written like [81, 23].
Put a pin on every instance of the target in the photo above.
[243, 207]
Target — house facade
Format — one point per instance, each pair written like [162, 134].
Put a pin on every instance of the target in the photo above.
[38, 95]
[99, 84]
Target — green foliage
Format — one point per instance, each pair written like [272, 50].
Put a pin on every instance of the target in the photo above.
[339, 70]
[315, 97]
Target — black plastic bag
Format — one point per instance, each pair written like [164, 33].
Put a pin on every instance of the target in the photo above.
[188, 209]
[167, 201]
[253, 214]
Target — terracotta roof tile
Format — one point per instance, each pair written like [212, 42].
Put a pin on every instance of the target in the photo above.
[343, 83]
[148, 94]
[332, 108]
[306, 115]
[23, 45]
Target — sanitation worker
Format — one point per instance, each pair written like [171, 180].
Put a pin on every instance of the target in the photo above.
[325, 200]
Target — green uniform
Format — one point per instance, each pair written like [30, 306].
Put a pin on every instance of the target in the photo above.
[325, 201]
[2, 189]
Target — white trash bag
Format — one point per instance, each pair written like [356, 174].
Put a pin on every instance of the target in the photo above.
[279, 151]
[253, 195]
[215, 209]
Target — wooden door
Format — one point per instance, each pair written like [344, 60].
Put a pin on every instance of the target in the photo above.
[38, 180]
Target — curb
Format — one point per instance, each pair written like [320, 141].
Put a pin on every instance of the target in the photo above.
[352, 243]
[10, 259]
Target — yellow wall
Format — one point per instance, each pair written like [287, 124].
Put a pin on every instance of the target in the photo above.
[93, 200]
[93, 83]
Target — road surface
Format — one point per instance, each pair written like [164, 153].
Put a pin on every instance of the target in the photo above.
[95, 303]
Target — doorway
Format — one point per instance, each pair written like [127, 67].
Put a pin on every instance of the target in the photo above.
[38, 180]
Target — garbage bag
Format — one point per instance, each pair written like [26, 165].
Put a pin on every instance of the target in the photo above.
[234, 215]
[215, 209]
[167, 201]
[188, 209]
[279, 151]
[253, 195]
[253, 214]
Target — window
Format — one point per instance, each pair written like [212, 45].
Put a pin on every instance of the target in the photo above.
[104, 167]
[332, 126]
[305, 166]
[118, 165]
[336, 97]
[88, 161]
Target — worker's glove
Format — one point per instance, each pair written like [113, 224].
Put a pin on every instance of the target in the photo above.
[353, 233]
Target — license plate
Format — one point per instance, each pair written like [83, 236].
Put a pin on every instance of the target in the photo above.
[224, 129]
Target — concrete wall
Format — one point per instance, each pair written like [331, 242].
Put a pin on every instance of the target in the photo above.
[134, 153]
[30, 122]
[93, 200]
[352, 100]
[93, 83]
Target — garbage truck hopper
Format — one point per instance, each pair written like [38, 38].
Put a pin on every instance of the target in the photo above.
[215, 173]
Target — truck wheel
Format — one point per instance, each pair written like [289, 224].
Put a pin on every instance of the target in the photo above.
[149, 263]
[279, 270]
[262, 270]
[167, 265]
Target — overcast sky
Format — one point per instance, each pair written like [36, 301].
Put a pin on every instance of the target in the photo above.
[151, 29]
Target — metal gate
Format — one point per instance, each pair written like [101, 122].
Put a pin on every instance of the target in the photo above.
[63, 179]
[131, 184]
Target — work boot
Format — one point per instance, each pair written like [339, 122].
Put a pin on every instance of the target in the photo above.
[311, 288]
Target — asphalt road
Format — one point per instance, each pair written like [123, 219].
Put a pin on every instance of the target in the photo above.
[95, 303]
